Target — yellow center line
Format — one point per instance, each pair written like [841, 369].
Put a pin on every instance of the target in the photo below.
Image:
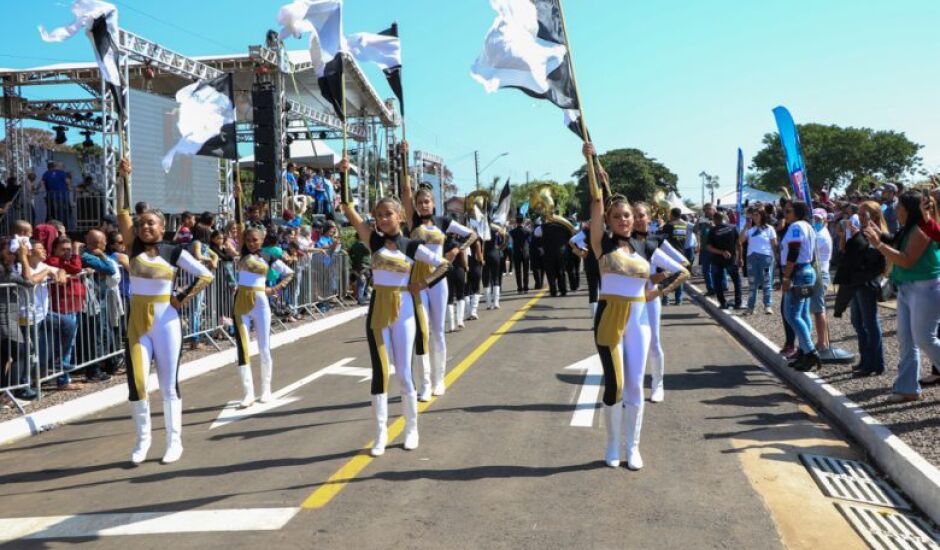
[338, 481]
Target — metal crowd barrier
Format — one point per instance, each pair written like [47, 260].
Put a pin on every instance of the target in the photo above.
[60, 328]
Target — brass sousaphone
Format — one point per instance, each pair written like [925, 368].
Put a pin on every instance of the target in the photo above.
[542, 199]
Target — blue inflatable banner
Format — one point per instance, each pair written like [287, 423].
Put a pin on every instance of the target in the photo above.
[790, 140]
[740, 190]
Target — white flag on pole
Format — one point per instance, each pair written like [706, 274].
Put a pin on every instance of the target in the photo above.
[381, 49]
[323, 20]
[206, 121]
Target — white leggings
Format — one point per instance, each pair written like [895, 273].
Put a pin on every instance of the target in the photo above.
[161, 344]
[260, 316]
[625, 364]
[434, 300]
[654, 312]
[398, 342]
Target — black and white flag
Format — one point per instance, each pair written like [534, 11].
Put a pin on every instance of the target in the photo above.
[331, 85]
[206, 121]
[100, 21]
[323, 20]
[525, 48]
[573, 122]
[503, 206]
[383, 49]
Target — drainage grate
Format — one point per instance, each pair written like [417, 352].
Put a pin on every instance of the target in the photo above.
[886, 530]
[852, 480]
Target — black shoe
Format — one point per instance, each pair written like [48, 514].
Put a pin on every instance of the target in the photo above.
[865, 373]
[724, 306]
[808, 362]
[710, 293]
[792, 363]
[98, 377]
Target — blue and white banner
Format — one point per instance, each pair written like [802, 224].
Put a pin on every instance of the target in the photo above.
[796, 169]
[740, 190]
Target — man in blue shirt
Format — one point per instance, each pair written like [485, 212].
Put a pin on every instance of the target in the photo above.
[58, 184]
[290, 180]
[889, 204]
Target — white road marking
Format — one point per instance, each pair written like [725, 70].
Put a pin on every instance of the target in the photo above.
[231, 413]
[146, 523]
[583, 416]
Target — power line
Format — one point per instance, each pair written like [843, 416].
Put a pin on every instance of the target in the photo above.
[170, 24]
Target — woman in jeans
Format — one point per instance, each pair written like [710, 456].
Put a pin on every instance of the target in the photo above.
[761, 248]
[916, 274]
[799, 277]
[859, 279]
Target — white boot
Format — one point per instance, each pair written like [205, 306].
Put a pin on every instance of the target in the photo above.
[474, 304]
[613, 417]
[140, 411]
[173, 421]
[657, 365]
[248, 386]
[424, 386]
[632, 422]
[410, 405]
[380, 409]
[438, 367]
[266, 371]
[461, 313]
[451, 317]
[489, 297]
[593, 310]
[496, 297]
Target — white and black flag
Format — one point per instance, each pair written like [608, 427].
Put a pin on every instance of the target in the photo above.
[503, 206]
[206, 121]
[525, 48]
[100, 21]
[383, 49]
[573, 122]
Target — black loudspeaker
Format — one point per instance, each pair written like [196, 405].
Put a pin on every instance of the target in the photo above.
[266, 122]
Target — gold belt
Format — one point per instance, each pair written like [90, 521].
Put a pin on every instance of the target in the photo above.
[143, 312]
[614, 318]
[386, 306]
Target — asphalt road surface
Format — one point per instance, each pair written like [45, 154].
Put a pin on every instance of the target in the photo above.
[508, 458]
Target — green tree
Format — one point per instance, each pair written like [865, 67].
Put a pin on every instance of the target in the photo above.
[632, 174]
[836, 157]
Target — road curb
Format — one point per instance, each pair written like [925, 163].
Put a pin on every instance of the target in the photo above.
[919, 479]
[47, 419]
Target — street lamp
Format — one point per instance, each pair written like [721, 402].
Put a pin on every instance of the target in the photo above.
[476, 162]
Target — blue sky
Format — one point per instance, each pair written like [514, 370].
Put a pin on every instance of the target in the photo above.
[686, 81]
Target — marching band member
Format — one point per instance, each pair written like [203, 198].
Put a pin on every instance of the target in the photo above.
[663, 257]
[252, 307]
[621, 327]
[391, 324]
[434, 231]
[154, 331]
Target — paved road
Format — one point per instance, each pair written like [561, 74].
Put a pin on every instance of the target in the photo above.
[499, 466]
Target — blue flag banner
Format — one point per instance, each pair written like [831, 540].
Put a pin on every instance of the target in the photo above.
[740, 190]
[524, 209]
[796, 169]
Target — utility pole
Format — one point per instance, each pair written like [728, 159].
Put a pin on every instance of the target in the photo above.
[476, 164]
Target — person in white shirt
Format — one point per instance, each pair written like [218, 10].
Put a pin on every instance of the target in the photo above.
[761, 247]
[817, 304]
[799, 278]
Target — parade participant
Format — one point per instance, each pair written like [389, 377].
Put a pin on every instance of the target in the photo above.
[434, 231]
[554, 233]
[391, 324]
[621, 328]
[520, 236]
[492, 265]
[154, 331]
[474, 279]
[252, 307]
[663, 257]
[536, 255]
[580, 244]
[797, 253]
[678, 233]
[456, 297]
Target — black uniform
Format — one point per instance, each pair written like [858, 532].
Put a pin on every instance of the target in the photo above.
[520, 256]
[536, 255]
[555, 238]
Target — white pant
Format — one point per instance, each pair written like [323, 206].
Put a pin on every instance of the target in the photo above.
[654, 312]
[629, 357]
[161, 344]
[434, 301]
[398, 340]
[260, 316]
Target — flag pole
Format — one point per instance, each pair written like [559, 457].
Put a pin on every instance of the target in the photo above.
[592, 175]
[239, 215]
[344, 189]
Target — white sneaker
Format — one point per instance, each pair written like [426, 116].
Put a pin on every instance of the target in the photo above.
[768, 310]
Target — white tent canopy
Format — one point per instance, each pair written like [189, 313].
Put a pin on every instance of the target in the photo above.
[676, 202]
[750, 194]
